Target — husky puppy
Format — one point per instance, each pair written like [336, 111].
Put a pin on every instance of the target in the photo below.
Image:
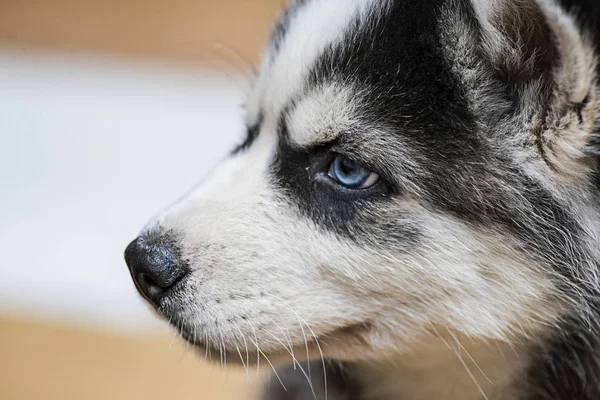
[415, 207]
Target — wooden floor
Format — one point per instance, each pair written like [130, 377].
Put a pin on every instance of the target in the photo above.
[59, 363]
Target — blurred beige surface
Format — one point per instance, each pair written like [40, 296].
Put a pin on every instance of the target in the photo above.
[181, 30]
[48, 362]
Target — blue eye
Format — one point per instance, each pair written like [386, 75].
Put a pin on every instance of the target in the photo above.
[350, 174]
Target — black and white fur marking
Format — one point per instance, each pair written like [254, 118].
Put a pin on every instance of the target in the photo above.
[471, 269]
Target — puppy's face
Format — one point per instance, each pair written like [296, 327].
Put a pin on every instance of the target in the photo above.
[380, 194]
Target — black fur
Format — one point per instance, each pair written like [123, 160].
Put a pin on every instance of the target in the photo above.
[349, 213]
[297, 387]
[400, 66]
[568, 365]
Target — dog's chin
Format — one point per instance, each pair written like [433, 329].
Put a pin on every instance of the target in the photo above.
[212, 352]
[340, 343]
[243, 356]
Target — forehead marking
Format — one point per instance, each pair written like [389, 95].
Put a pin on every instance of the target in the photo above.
[314, 26]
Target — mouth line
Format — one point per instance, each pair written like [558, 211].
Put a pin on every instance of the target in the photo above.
[354, 330]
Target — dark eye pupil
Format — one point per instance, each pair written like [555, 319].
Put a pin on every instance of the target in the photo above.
[348, 167]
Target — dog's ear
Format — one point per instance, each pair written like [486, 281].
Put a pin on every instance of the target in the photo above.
[549, 66]
[518, 38]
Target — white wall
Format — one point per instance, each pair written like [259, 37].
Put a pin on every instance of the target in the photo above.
[89, 150]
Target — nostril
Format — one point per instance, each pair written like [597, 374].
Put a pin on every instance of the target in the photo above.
[151, 288]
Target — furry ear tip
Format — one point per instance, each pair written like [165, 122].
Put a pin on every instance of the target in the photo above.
[519, 39]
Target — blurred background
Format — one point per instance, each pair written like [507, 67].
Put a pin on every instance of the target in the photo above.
[109, 110]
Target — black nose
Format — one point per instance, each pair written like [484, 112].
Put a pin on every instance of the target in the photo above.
[154, 267]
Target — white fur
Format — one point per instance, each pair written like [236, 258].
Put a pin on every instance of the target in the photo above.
[323, 114]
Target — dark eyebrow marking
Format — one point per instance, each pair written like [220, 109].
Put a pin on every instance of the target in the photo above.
[251, 135]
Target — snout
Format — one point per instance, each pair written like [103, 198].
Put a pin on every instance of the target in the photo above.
[154, 266]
